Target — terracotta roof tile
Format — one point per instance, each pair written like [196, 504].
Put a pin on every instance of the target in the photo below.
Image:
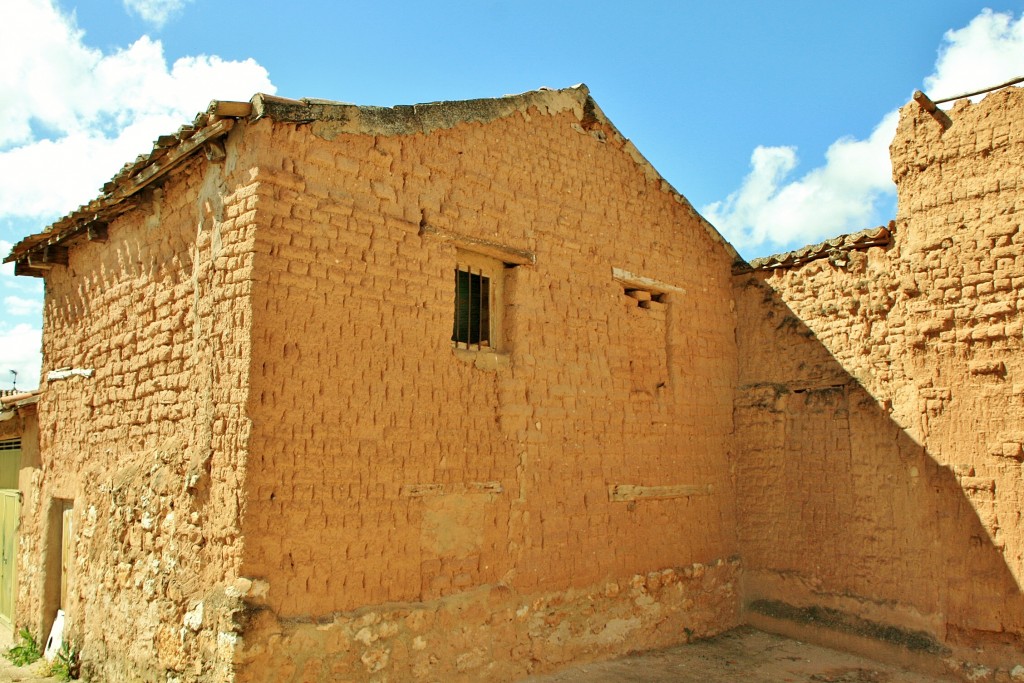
[872, 237]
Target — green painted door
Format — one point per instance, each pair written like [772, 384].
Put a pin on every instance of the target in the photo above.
[9, 504]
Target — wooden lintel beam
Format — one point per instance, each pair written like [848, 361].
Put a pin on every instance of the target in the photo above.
[502, 252]
[619, 493]
[629, 279]
[49, 256]
[37, 263]
[22, 267]
[233, 109]
[451, 489]
[926, 103]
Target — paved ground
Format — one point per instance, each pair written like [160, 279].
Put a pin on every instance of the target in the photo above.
[742, 655]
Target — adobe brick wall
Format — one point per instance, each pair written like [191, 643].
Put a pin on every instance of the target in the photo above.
[410, 514]
[151, 448]
[880, 408]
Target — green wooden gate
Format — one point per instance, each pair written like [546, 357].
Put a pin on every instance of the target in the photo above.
[10, 505]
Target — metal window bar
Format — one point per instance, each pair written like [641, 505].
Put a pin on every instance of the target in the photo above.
[472, 326]
[10, 445]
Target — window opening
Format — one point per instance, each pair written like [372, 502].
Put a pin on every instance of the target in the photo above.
[479, 293]
[472, 325]
[10, 445]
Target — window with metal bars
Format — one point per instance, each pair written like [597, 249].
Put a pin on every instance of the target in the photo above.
[10, 445]
[478, 291]
[472, 325]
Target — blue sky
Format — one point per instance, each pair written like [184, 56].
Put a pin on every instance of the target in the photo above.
[773, 118]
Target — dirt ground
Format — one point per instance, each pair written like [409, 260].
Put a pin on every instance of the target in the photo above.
[34, 673]
[743, 654]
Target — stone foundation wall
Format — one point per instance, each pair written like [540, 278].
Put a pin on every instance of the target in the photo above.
[491, 632]
[880, 403]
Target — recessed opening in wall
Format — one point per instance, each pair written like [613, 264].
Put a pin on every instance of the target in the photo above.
[647, 292]
[479, 297]
[58, 554]
[472, 308]
[646, 298]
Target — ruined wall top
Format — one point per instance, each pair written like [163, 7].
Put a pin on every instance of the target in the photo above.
[968, 129]
[938, 158]
[958, 167]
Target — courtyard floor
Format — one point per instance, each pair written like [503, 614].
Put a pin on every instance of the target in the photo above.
[743, 654]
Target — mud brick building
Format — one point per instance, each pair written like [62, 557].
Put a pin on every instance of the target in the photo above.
[465, 391]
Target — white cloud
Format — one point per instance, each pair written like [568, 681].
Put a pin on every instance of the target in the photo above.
[772, 211]
[71, 115]
[19, 305]
[19, 343]
[988, 51]
[40, 67]
[20, 351]
[155, 12]
[837, 197]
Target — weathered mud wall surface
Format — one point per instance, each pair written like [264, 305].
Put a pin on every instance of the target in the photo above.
[417, 512]
[881, 405]
[147, 452]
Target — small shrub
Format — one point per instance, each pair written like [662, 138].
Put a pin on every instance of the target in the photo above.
[65, 664]
[26, 651]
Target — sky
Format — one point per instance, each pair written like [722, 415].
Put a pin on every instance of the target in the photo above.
[772, 118]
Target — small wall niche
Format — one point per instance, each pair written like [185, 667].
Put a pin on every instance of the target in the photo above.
[646, 298]
[648, 293]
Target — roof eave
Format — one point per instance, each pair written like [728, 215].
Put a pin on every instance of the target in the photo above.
[37, 253]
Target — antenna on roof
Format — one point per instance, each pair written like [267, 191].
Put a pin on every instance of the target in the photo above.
[14, 382]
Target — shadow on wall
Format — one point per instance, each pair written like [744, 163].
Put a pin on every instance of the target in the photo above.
[847, 525]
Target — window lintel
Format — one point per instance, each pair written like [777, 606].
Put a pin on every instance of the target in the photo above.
[502, 252]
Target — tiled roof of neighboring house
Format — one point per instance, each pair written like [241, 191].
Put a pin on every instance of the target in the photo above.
[36, 253]
[10, 402]
[833, 249]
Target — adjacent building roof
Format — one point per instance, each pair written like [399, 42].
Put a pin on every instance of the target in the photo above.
[834, 249]
[10, 403]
